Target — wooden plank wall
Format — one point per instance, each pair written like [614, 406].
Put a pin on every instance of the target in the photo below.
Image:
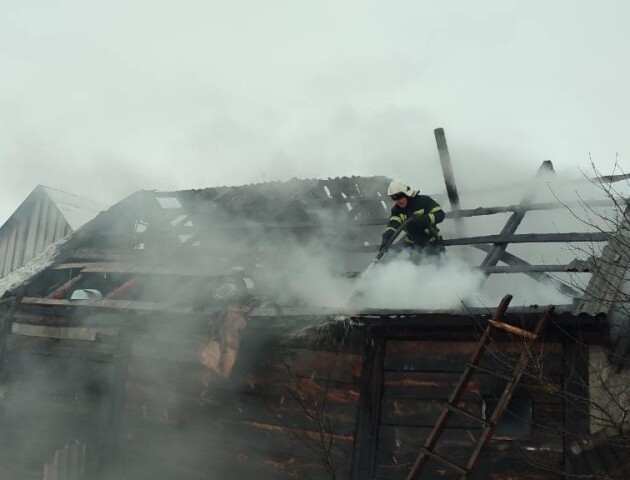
[287, 411]
[136, 393]
[136, 397]
[53, 392]
[418, 378]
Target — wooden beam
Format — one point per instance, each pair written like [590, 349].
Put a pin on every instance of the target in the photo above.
[458, 328]
[120, 305]
[111, 267]
[89, 334]
[513, 329]
[459, 227]
[493, 257]
[447, 168]
[575, 266]
[529, 238]
[53, 321]
[570, 267]
[178, 259]
[482, 211]
[542, 277]
[63, 290]
[127, 287]
[519, 238]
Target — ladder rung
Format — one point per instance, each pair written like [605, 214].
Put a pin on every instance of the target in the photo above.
[443, 460]
[513, 329]
[491, 372]
[455, 409]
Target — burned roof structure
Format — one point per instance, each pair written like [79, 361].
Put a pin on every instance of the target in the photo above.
[166, 340]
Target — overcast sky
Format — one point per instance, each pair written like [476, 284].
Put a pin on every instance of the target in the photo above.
[104, 98]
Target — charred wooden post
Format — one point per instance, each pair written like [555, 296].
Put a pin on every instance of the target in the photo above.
[449, 179]
[494, 256]
[447, 168]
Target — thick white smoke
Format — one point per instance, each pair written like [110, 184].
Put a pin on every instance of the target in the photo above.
[401, 284]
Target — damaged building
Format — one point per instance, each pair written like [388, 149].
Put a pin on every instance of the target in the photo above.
[170, 338]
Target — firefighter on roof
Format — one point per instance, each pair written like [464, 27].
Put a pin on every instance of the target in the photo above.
[420, 214]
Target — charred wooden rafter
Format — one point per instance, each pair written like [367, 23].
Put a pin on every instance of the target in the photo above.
[494, 255]
[483, 211]
[119, 305]
[127, 287]
[463, 213]
[62, 291]
[518, 238]
[575, 266]
[570, 267]
[111, 267]
[531, 238]
[543, 277]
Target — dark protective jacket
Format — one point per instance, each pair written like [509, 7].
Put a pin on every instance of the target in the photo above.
[425, 214]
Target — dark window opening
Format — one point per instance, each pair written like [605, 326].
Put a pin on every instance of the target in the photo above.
[516, 421]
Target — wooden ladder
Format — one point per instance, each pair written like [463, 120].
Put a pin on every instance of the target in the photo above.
[451, 407]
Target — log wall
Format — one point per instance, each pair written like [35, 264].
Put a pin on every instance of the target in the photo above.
[419, 377]
[136, 393]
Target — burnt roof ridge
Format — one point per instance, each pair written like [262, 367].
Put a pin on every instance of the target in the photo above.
[290, 181]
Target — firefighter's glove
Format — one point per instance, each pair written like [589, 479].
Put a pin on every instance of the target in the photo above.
[387, 236]
[420, 222]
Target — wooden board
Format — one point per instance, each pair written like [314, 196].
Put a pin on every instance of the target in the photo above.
[443, 356]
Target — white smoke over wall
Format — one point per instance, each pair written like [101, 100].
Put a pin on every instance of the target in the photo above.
[401, 284]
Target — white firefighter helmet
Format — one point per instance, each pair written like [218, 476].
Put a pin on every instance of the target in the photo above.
[398, 186]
